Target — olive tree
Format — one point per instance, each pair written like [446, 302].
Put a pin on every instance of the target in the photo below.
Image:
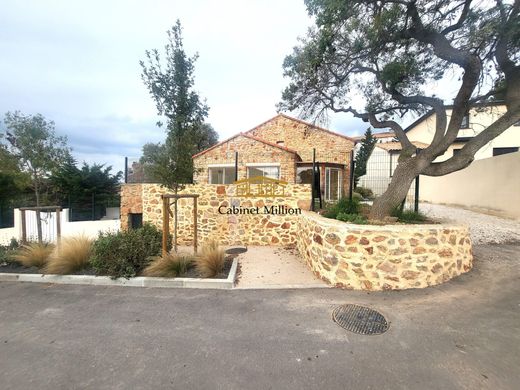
[389, 53]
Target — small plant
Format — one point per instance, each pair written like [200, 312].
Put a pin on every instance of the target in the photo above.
[169, 265]
[353, 218]
[212, 259]
[408, 216]
[71, 255]
[33, 254]
[344, 205]
[7, 251]
[366, 193]
[126, 253]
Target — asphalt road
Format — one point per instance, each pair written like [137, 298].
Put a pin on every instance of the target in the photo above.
[464, 334]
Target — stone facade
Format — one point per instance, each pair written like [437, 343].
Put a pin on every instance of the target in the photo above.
[283, 140]
[303, 137]
[390, 257]
[228, 229]
[250, 151]
[131, 202]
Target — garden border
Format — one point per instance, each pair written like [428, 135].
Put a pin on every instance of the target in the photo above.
[138, 281]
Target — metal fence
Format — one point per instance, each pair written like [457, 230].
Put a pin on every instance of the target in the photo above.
[379, 172]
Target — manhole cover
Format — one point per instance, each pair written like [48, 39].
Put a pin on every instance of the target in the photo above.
[359, 319]
[236, 250]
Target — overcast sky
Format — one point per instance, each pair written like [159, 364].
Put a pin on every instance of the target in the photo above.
[77, 63]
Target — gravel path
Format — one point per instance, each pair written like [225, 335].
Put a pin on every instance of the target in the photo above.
[485, 229]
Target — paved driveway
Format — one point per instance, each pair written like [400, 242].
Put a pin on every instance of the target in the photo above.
[464, 334]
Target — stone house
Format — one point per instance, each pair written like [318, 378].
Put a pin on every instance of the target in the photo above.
[281, 148]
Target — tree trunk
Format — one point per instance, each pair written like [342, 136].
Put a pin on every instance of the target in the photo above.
[396, 192]
[38, 214]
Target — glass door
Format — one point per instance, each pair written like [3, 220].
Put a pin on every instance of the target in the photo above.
[332, 184]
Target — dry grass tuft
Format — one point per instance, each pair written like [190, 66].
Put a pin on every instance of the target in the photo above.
[70, 256]
[211, 260]
[169, 266]
[33, 254]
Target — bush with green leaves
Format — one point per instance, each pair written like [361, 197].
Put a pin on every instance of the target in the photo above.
[353, 218]
[126, 253]
[408, 216]
[7, 251]
[366, 193]
[344, 205]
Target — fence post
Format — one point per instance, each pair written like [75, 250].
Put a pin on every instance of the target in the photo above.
[236, 167]
[313, 186]
[24, 226]
[351, 174]
[126, 170]
[416, 198]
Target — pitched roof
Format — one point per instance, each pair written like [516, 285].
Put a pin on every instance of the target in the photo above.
[384, 134]
[247, 136]
[304, 123]
[391, 146]
[448, 107]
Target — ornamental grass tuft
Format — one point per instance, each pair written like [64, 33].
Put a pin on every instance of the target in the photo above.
[170, 265]
[211, 260]
[33, 254]
[71, 255]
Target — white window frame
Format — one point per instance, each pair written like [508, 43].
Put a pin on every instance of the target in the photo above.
[327, 183]
[219, 166]
[267, 165]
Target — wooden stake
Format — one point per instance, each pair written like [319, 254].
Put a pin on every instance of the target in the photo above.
[39, 226]
[24, 227]
[166, 225]
[58, 225]
[195, 224]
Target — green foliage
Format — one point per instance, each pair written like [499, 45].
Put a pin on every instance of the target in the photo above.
[34, 143]
[353, 218]
[79, 184]
[363, 154]
[344, 206]
[172, 87]
[408, 216]
[8, 251]
[125, 253]
[366, 193]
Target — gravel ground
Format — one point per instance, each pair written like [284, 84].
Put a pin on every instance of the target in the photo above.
[485, 229]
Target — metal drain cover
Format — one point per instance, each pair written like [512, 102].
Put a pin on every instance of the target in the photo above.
[236, 250]
[360, 319]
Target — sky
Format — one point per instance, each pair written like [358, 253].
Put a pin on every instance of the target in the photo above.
[77, 63]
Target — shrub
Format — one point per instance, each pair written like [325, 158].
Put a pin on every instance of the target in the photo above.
[211, 260]
[33, 254]
[354, 218]
[71, 255]
[366, 193]
[7, 251]
[169, 266]
[344, 205]
[408, 216]
[125, 253]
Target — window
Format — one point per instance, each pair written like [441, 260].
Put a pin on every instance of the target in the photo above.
[465, 122]
[266, 171]
[455, 151]
[304, 175]
[221, 175]
[500, 151]
[332, 184]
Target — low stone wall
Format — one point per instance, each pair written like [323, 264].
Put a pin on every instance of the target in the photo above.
[366, 257]
[229, 229]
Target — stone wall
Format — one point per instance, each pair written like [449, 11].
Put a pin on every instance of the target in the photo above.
[229, 229]
[131, 202]
[383, 257]
[249, 151]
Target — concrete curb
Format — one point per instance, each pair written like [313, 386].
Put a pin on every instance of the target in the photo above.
[283, 286]
[138, 281]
